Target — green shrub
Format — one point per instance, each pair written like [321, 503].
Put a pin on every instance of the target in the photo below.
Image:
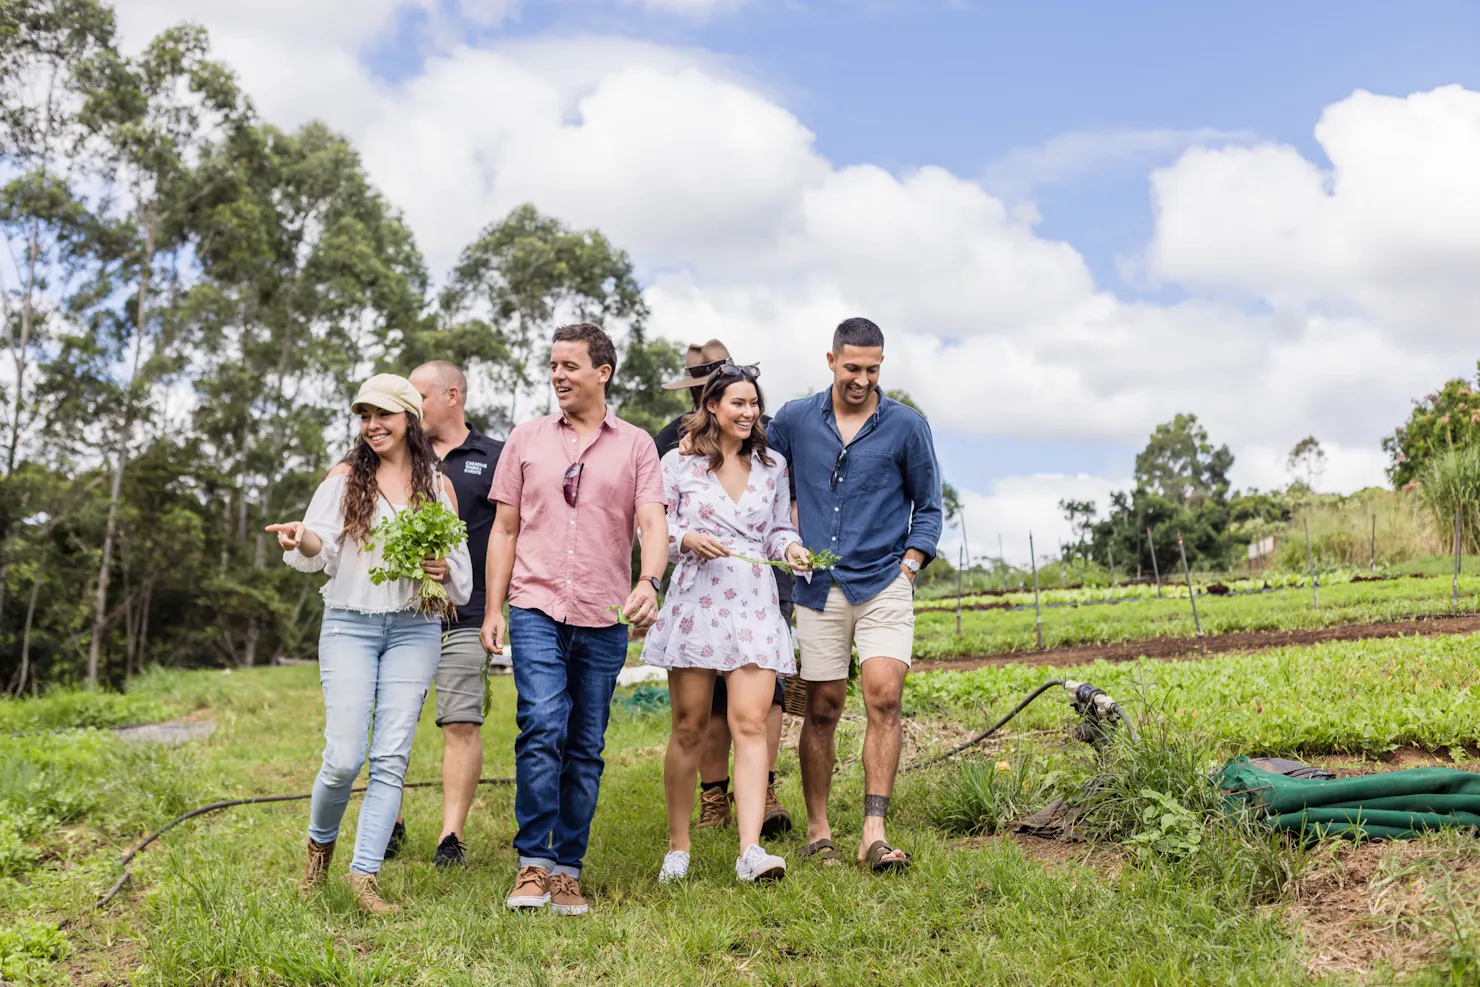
[29, 950]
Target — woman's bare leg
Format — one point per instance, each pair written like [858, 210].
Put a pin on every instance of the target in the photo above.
[750, 689]
[690, 691]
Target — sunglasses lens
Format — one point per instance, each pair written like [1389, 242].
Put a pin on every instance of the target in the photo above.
[571, 488]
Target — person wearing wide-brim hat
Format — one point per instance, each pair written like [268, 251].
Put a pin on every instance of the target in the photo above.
[715, 802]
[377, 653]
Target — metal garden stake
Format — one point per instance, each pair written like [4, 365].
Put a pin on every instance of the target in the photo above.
[1191, 596]
[1037, 610]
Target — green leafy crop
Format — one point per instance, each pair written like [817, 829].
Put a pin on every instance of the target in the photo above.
[430, 531]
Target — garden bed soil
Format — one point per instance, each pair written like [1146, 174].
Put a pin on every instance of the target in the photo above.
[1192, 648]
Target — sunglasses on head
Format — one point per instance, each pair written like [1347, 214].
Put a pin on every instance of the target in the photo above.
[702, 370]
[571, 486]
[729, 370]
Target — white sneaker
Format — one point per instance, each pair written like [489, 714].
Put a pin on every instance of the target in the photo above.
[755, 864]
[675, 866]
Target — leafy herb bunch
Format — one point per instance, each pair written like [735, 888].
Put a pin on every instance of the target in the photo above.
[409, 536]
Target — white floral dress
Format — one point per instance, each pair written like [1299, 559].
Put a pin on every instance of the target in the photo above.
[723, 613]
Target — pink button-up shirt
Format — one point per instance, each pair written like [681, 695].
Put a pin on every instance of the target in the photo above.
[571, 563]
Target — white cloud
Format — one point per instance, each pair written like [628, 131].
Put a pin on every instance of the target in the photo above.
[1320, 299]
[1014, 507]
[1082, 152]
[688, 8]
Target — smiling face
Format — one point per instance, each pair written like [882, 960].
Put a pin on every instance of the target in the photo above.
[578, 385]
[383, 431]
[737, 411]
[856, 373]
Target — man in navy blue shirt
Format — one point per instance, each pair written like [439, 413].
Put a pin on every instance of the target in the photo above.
[867, 486]
[468, 459]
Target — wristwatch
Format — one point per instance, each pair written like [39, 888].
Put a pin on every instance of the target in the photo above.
[911, 565]
[657, 586]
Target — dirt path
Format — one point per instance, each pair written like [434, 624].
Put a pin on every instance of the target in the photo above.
[1192, 648]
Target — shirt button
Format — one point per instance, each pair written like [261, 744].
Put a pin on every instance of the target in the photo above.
[835, 537]
[570, 551]
[836, 509]
[572, 521]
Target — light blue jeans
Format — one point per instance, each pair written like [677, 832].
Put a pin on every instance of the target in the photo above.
[375, 670]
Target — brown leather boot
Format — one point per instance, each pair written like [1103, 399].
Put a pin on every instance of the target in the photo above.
[367, 894]
[776, 820]
[316, 871]
[714, 809]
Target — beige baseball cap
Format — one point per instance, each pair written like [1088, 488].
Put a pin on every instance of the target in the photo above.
[388, 392]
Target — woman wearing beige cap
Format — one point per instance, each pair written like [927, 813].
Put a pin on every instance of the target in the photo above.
[377, 655]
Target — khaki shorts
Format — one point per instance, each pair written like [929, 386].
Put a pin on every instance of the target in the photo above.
[460, 677]
[881, 627]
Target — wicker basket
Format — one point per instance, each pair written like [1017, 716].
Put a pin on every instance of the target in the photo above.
[793, 696]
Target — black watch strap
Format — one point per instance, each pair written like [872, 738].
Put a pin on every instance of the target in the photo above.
[657, 586]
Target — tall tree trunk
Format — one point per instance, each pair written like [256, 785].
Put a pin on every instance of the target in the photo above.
[100, 604]
[142, 643]
[26, 633]
[18, 347]
[130, 622]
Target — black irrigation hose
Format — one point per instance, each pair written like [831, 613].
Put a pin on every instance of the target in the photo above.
[989, 730]
[226, 804]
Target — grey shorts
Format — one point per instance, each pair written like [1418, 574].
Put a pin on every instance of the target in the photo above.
[460, 677]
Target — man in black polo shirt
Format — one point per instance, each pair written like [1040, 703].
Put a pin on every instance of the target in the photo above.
[468, 459]
[714, 759]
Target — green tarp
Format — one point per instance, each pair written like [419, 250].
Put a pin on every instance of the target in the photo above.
[1398, 805]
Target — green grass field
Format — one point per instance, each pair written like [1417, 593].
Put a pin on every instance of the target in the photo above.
[214, 903]
[997, 631]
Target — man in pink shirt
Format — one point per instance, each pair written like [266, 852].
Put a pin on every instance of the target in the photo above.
[569, 487]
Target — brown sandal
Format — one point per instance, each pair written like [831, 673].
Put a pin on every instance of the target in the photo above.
[824, 851]
[874, 858]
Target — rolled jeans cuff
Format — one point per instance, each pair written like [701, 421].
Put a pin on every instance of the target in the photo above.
[550, 866]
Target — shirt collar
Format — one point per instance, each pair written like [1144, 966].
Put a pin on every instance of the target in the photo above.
[609, 421]
[826, 405]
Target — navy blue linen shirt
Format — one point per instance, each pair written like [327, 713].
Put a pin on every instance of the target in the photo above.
[886, 499]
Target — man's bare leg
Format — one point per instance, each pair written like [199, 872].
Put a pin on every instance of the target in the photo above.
[773, 735]
[462, 763]
[818, 752]
[714, 758]
[882, 680]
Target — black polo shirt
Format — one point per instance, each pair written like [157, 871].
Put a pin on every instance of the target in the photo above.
[469, 468]
[667, 440]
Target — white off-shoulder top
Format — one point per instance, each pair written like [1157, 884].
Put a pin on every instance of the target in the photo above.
[349, 586]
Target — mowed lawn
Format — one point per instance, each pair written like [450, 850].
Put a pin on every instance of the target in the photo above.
[215, 901]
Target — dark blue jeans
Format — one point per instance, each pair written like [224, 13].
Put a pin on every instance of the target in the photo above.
[565, 677]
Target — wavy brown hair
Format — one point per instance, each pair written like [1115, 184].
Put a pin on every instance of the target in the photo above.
[702, 428]
[361, 490]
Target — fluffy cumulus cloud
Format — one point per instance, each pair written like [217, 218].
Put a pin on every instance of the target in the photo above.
[1318, 299]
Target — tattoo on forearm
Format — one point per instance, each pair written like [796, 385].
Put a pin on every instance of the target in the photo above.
[876, 805]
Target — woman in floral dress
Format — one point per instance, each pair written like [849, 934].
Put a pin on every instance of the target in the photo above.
[727, 496]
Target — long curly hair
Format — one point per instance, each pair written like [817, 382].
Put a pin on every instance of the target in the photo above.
[361, 490]
[702, 427]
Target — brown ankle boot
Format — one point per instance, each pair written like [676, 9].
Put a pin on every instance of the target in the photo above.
[316, 871]
[714, 809]
[367, 894]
